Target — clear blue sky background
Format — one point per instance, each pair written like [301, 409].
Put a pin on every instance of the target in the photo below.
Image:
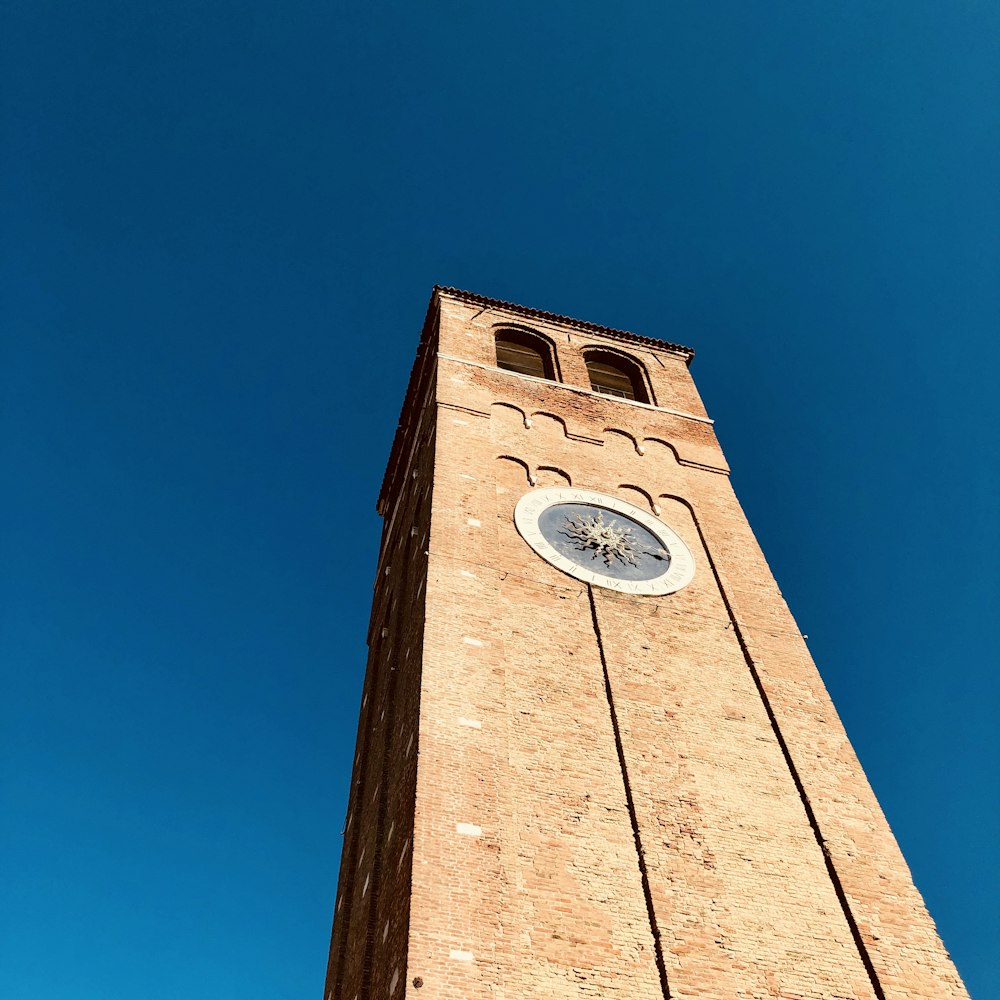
[221, 223]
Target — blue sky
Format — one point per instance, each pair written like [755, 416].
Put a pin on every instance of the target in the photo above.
[221, 222]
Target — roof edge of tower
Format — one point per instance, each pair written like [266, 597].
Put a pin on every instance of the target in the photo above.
[579, 324]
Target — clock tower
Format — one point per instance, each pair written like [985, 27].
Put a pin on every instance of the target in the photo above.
[594, 757]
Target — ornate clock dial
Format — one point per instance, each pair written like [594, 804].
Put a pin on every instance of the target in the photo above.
[604, 540]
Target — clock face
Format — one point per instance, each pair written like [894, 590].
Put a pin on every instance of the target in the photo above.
[603, 540]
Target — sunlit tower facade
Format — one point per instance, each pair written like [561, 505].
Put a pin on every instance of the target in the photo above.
[594, 755]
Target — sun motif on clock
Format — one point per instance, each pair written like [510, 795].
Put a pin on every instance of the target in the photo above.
[604, 540]
[609, 541]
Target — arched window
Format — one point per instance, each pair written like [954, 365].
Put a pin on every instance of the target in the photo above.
[518, 351]
[615, 376]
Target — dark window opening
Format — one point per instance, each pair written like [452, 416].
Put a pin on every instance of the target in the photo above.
[524, 354]
[614, 376]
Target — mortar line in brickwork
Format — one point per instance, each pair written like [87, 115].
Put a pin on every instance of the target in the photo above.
[654, 929]
[388, 727]
[838, 887]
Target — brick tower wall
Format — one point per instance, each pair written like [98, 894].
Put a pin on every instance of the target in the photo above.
[616, 796]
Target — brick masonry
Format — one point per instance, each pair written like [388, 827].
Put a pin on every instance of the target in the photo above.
[570, 792]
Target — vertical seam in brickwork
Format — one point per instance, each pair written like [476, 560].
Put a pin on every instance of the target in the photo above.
[661, 967]
[786, 753]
